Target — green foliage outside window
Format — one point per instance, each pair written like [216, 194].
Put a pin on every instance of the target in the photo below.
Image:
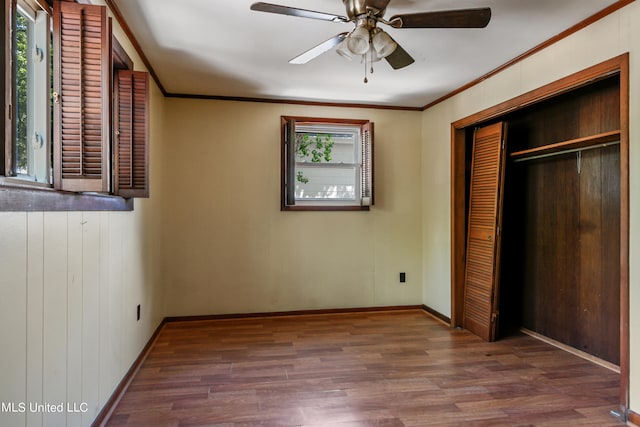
[317, 148]
[22, 28]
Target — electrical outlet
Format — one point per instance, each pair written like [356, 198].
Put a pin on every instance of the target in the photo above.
[403, 277]
[138, 312]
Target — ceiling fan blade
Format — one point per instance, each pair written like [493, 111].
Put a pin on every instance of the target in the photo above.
[399, 58]
[314, 52]
[293, 11]
[462, 18]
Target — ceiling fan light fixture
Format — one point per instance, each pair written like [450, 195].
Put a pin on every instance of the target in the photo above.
[366, 39]
[383, 44]
[373, 56]
[343, 50]
[358, 41]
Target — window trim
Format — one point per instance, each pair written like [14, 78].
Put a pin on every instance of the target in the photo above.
[288, 155]
[38, 78]
[121, 60]
[6, 86]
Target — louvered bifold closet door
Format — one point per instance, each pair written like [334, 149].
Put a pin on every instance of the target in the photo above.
[131, 148]
[483, 238]
[82, 76]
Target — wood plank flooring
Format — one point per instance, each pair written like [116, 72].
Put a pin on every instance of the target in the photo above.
[377, 369]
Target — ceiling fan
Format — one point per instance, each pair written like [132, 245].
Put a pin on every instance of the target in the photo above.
[366, 38]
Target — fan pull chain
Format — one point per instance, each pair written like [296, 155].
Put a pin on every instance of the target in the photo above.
[364, 57]
[371, 59]
[366, 80]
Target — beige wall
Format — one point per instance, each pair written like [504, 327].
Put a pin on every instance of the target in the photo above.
[69, 286]
[607, 38]
[229, 248]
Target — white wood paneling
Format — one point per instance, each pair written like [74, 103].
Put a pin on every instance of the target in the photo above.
[132, 282]
[13, 303]
[74, 315]
[35, 307]
[55, 316]
[69, 286]
[91, 246]
[113, 305]
[105, 381]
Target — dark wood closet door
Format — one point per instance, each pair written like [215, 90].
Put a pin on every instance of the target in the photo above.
[483, 239]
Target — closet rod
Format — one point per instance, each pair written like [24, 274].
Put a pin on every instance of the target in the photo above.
[571, 150]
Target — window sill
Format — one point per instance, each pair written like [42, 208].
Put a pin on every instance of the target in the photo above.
[21, 197]
[308, 208]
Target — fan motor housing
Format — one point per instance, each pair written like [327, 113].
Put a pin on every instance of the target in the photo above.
[356, 8]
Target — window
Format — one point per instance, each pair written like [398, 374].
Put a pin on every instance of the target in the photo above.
[327, 164]
[73, 123]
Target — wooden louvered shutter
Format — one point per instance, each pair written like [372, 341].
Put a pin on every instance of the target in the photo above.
[483, 237]
[366, 185]
[289, 160]
[131, 148]
[82, 99]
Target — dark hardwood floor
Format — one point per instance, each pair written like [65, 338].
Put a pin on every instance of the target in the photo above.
[377, 369]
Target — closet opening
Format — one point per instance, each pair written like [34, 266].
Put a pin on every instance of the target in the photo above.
[561, 270]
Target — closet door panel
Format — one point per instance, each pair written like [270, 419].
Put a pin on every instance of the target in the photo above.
[483, 241]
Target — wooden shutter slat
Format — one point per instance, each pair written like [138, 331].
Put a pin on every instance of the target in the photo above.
[483, 243]
[131, 168]
[367, 163]
[82, 72]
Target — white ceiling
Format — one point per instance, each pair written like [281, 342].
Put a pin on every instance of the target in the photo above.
[222, 48]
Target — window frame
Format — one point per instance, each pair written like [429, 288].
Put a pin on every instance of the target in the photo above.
[38, 86]
[18, 194]
[287, 175]
[6, 84]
